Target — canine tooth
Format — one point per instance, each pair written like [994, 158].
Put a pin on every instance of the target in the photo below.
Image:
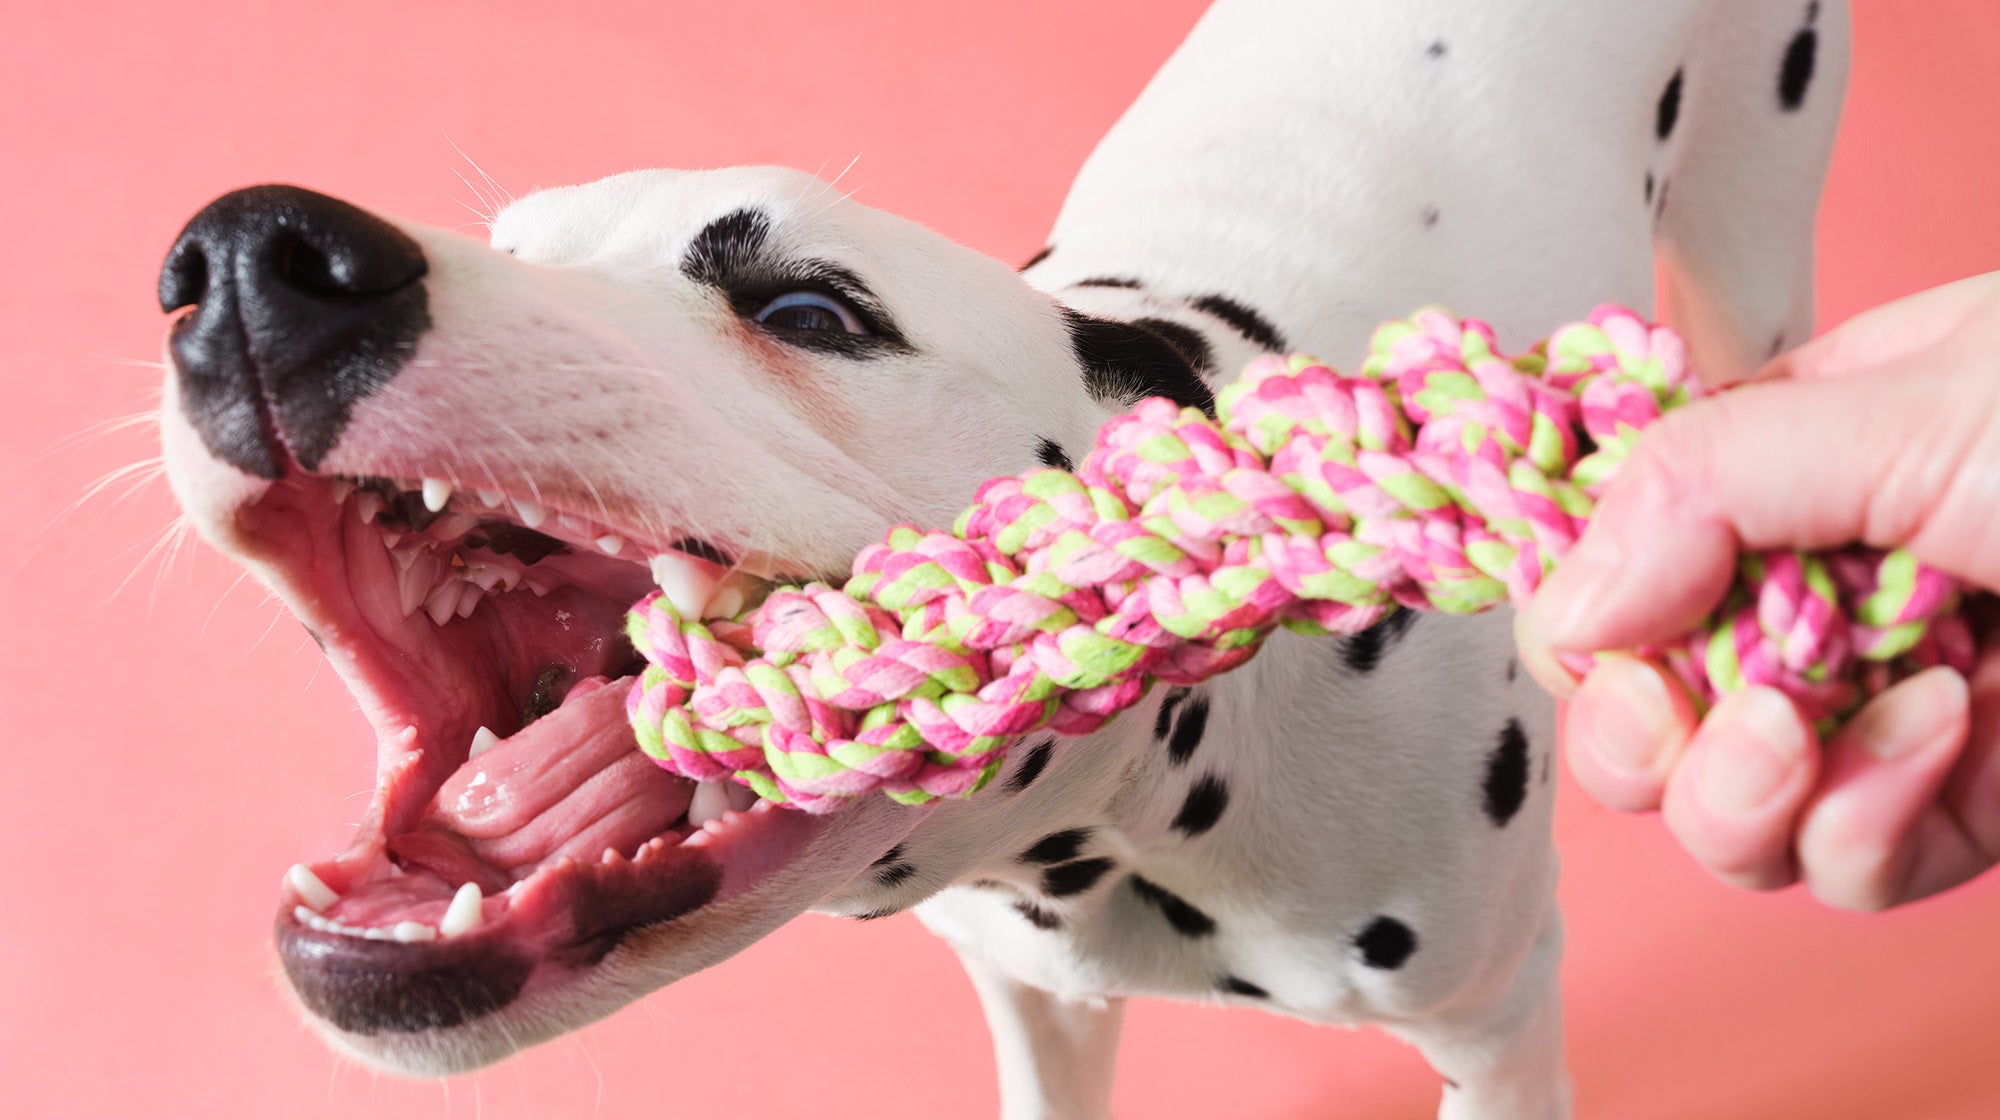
[531, 514]
[407, 932]
[689, 583]
[490, 498]
[436, 493]
[463, 915]
[710, 802]
[610, 544]
[390, 540]
[311, 887]
[367, 504]
[741, 797]
[468, 599]
[442, 601]
[342, 489]
[482, 741]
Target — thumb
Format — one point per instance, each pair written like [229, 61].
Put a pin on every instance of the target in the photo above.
[1809, 464]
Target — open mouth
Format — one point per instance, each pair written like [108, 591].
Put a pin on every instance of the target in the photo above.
[516, 830]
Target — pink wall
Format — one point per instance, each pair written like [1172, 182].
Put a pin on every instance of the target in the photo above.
[147, 816]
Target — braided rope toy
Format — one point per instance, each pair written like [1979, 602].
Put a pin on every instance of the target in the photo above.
[1444, 476]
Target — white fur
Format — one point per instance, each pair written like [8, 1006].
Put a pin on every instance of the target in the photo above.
[1315, 160]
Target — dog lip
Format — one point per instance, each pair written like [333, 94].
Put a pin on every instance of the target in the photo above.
[375, 987]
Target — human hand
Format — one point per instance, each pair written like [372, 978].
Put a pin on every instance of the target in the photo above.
[1884, 431]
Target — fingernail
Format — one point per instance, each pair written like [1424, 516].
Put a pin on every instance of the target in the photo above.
[1628, 712]
[1738, 774]
[1928, 703]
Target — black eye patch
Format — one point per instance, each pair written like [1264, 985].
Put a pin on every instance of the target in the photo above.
[732, 254]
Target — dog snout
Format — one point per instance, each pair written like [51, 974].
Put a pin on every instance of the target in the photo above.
[292, 307]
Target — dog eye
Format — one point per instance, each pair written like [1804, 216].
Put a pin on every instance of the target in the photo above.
[810, 311]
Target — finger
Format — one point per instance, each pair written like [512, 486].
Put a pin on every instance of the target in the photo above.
[1881, 461]
[1734, 801]
[1892, 335]
[1875, 814]
[1624, 732]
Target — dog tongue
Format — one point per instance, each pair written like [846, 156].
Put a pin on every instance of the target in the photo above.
[572, 783]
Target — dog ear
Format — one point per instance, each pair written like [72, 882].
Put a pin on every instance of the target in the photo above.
[1124, 362]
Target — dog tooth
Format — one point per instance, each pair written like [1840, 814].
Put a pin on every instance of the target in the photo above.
[710, 801]
[698, 839]
[342, 490]
[490, 498]
[465, 913]
[452, 526]
[367, 504]
[416, 580]
[689, 583]
[469, 596]
[372, 934]
[482, 741]
[407, 932]
[303, 914]
[610, 856]
[390, 540]
[311, 887]
[610, 544]
[726, 604]
[741, 797]
[436, 493]
[442, 601]
[531, 514]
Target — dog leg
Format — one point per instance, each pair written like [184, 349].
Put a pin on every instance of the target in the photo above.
[1055, 1056]
[1737, 188]
[1504, 1060]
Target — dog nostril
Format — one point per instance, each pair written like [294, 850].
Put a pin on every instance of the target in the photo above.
[304, 268]
[184, 280]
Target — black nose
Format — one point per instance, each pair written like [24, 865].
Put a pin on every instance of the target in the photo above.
[301, 306]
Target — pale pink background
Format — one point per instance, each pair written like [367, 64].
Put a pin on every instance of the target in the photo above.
[170, 746]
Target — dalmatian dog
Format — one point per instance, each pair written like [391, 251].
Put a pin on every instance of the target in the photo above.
[458, 463]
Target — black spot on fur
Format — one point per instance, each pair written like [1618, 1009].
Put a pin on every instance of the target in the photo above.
[1106, 282]
[1066, 879]
[893, 855]
[1797, 73]
[1186, 920]
[1660, 211]
[1039, 257]
[1206, 800]
[1188, 730]
[1649, 188]
[726, 246]
[1431, 216]
[1386, 943]
[1237, 986]
[1437, 49]
[894, 875]
[1124, 362]
[1669, 110]
[1506, 785]
[1777, 346]
[1362, 652]
[1037, 916]
[1058, 847]
[872, 915]
[1450, 1084]
[1163, 720]
[1185, 339]
[1052, 455]
[1246, 320]
[1031, 766]
[1513, 669]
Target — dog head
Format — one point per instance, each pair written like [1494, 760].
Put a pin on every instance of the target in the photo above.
[458, 464]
